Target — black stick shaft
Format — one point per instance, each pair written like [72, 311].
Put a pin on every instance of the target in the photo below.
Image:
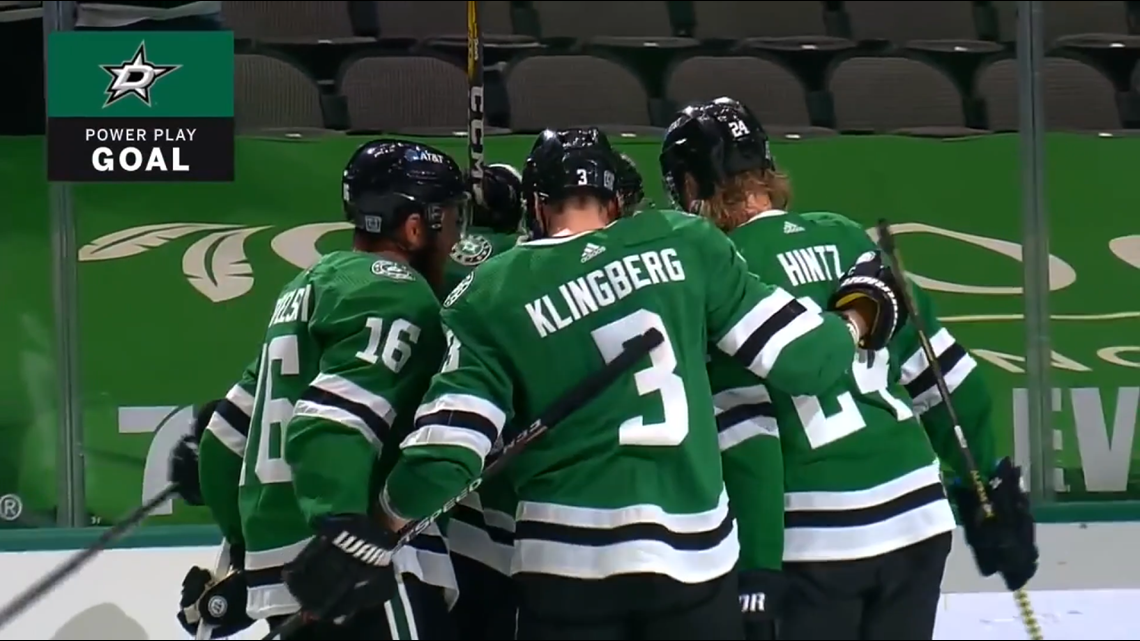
[50, 581]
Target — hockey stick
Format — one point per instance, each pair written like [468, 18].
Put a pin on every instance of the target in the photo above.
[49, 582]
[220, 566]
[475, 114]
[887, 243]
[563, 406]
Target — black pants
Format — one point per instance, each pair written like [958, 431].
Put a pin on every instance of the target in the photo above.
[486, 607]
[419, 611]
[629, 608]
[888, 597]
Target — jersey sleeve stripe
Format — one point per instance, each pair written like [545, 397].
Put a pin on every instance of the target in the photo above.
[230, 422]
[333, 414]
[918, 377]
[743, 413]
[743, 422]
[241, 399]
[461, 420]
[917, 364]
[368, 402]
[744, 329]
[757, 340]
[337, 399]
[465, 403]
[956, 364]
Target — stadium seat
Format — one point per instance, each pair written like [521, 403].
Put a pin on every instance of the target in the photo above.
[1089, 24]
[614, 23]
[271, 93]
[568, 91]
[404, 93]
[770, 90]
[1077, 97]
[896, 95]
[766, 25]
[291, 22]
[447, 19]
[930, 26]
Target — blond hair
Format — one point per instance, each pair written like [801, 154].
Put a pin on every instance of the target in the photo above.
[727, 207]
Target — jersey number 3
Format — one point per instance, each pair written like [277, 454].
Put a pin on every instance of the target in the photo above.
[660, 379]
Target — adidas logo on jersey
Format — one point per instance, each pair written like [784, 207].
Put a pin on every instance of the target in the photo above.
[791, 228]
[591, 251]
[362, 550]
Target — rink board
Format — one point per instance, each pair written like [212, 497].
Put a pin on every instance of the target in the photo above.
[133, 593]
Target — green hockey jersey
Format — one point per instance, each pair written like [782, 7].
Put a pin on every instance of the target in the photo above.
[476, 246]
[968, 390]
[482, 527]
[631, 481]
[348, 354]
[220, 453]
[860, 477]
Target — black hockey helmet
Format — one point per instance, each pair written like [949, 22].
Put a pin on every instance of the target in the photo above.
[712, 142]
[565, 163]
[630, 187]
[388, 180]
[502, 191]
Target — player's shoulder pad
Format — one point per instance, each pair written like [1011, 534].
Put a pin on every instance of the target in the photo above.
[827, 219]
[353, 267]
[652, 223]
[355, 275]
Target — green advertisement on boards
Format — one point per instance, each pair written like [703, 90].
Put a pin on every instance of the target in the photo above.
[177, 281]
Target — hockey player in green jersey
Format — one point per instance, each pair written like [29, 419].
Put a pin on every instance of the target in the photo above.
[295, 459]
[226, 595]
[494, 224]
[480, 530]
[622, 528]
[866, 523]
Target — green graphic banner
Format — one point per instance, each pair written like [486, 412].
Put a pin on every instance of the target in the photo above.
[175, 282]
[149, 106]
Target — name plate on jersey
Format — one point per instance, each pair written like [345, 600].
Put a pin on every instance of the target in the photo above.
[135, 106]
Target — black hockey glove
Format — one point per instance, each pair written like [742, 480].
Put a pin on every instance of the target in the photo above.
[184, 470]
[761, 598]
[220, 605]
[871, 289]
[1005, 543]
[346, 568]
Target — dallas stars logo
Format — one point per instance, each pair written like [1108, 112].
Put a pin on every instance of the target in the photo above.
[134, 77]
